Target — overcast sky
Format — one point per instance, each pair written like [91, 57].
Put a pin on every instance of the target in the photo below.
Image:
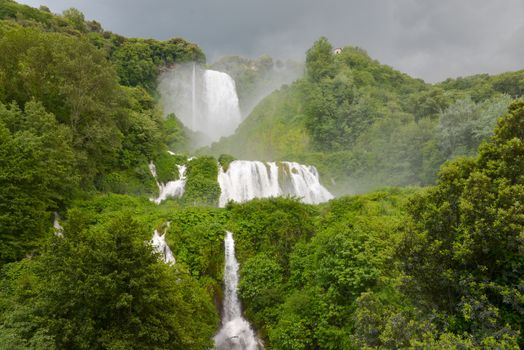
[429, 39]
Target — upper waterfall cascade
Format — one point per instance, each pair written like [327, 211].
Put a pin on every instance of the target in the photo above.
[222, 114]
[204, 100]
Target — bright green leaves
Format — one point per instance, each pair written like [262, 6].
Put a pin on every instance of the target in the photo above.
[101, 287]
[202, 187]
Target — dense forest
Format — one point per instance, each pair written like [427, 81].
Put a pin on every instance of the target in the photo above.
[365, 125]
[428, 255]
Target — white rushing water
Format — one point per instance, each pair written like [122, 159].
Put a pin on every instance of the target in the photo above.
[245, 180]
[59, 230]
[172, 189]
[222, 114]
[204, 100]
[160, 246]
[236, 333]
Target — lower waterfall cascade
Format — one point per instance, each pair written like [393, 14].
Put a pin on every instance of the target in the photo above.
[160, 246]
[236, 332]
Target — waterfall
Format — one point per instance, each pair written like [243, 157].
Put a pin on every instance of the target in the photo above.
[236, 333]
[245, 180]
[59, 230]
[193, 97]
[205, 101]
[222, 110]
[160, 246]
[172, 189]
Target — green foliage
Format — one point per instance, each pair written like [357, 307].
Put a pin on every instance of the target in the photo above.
[196, 235]
[301, 297]
[37, 177]
[139, 62]
[272, 226]
[465, 242]
[320, 60]
[137, 181]
[26, 15]
[465, 124]
[102, 287]
[202, 187]
[174, 134]
[73, 81]
[114, 129]
[166, 166]
[224, 160]
[76, 18]
[261, 284]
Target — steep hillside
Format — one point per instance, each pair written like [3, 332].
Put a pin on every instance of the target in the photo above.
[77, 115]
[275, 129]
[366, 125]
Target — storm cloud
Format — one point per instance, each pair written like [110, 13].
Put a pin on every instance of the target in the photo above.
[432, 39]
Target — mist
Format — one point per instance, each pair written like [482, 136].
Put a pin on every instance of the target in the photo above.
[211, 103]
[204, 100]
[257, 78]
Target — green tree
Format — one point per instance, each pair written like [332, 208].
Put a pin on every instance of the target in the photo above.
[103, 288]
[75, 82]
[37, 176]
[320, 60]
[202, 187]
[464, 251]
[76, 18]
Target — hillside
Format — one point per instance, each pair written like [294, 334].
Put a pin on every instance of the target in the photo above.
[83, 97]
[365, 125]
[111, 240]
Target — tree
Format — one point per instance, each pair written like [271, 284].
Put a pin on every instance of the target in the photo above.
[76, 18]
[463, 253]
[465, 124]
[37, 176]
[75, 82]
[102, 287]
[320, 60]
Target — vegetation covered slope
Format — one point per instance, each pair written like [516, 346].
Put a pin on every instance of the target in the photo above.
[438, 268]
[434, 268]
[365, 125]
[77, 114]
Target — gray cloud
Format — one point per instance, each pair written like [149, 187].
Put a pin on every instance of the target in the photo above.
[432, 39]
